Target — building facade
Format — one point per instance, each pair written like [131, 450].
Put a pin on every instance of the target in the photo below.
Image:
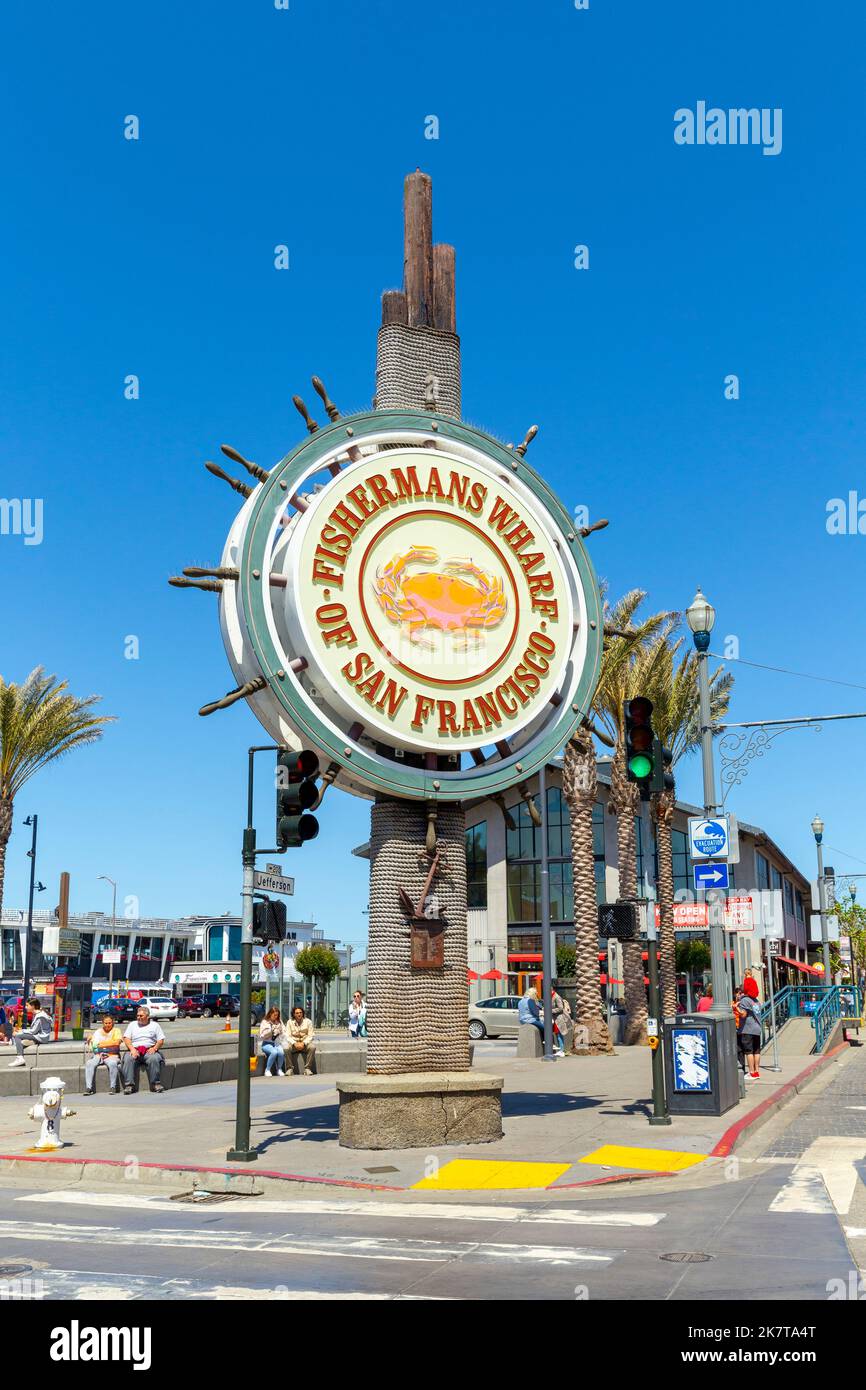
[504, 883]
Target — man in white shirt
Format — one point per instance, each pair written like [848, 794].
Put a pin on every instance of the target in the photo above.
[143, 1041]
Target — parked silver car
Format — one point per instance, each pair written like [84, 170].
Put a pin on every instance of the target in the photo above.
[495, 1017]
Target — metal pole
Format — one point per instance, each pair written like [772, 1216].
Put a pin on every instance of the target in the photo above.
[242, 1153]
[113, 929]
[28, 947]
[775, 1066]
[721, 1007]
[546, 953]
[660, 1114]
[822, 903]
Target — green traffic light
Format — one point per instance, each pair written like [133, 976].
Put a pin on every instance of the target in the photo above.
[640, 766]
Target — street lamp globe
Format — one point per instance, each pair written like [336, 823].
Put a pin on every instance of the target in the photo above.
[700, 616]
[852, 890]
[818, 829]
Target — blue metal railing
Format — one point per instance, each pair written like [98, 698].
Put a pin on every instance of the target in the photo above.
[824, 1004]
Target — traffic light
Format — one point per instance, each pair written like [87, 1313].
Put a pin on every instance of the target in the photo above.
[296, 794]
[639, 741]
[662, 780]
[269, 920]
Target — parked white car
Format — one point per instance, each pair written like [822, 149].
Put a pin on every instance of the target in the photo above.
[494, 1018]
[162, 1005]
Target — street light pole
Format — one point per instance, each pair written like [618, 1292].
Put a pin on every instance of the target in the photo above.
[701, 616]
[113, 930]
[818, 832]
[28, 946]
[546, 952]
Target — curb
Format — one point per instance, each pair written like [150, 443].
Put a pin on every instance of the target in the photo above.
[768, 1107]
[115, 1166]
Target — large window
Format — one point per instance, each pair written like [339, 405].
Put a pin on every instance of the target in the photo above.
[476, 865]
[683, 882]
[763, 868]
[523, 850]
[789, 897]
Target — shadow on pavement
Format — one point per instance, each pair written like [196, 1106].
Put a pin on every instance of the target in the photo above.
[321, 1123]
[545, 1103]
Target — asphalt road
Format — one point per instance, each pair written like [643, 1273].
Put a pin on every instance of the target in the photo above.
[119, 1243]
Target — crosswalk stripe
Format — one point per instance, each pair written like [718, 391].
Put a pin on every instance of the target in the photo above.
[825, 1179]
[76, 1285]
[424, 1211]
[309, 1247]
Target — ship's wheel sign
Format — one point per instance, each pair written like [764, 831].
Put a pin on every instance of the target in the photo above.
[403, 588]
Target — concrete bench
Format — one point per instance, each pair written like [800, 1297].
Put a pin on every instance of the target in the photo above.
[530, 1041]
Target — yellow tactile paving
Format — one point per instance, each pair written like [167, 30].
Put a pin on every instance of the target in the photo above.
[644, 1160]
[471, 1174]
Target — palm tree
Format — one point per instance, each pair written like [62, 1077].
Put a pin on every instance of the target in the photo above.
[39, 722]
[625, 638]
[675, 694]
[579, 786]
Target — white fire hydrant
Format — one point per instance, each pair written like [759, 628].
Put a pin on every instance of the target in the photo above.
[51, 1112]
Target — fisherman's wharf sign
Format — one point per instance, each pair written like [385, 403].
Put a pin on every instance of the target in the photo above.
[408, 591]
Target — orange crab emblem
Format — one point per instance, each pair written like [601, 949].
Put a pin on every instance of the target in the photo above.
[460, 598]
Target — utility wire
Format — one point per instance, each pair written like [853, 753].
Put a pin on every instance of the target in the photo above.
[783, 671]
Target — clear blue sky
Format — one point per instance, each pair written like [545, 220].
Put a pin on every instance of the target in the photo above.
[261, 126]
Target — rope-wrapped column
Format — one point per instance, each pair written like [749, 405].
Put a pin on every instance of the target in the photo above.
[418, 1018]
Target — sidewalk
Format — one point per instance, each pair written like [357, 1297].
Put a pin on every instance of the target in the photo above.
[566, 1124]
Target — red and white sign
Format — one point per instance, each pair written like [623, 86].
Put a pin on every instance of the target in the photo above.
[739, 915]
[687, 916]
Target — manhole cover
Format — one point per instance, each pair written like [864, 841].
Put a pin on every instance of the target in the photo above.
[687, 1257]
[200, 1199]
[383, 1168]
[15, 1267]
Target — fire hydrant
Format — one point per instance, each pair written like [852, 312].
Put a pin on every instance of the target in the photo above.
[51, 1112]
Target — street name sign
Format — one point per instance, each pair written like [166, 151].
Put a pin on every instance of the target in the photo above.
[274, 883]
[710, 876]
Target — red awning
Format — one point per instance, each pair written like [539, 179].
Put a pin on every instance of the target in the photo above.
[472, 975]
[524, 956]
[799, 965]
[493, 975]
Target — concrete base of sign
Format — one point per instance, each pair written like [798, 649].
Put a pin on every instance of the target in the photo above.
[420, 1110]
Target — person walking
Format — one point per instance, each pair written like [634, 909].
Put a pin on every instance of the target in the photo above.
[358, 1016]
[749, 1034]
[103, 1049]
[301, 1041]
[38, 1032]
[560, 1019]
[272, 1036]
[143, 1040]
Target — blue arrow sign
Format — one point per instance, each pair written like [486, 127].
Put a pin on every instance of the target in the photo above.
[711, 876]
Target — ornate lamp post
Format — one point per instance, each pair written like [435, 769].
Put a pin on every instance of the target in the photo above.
[818, 832]
[700, 616]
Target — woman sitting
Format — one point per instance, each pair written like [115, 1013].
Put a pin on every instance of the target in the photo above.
[272, 1036]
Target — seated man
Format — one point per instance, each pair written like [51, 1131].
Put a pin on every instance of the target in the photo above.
[103, 1048]
[302, 1047]
[143, 1041]
[38, 1032]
